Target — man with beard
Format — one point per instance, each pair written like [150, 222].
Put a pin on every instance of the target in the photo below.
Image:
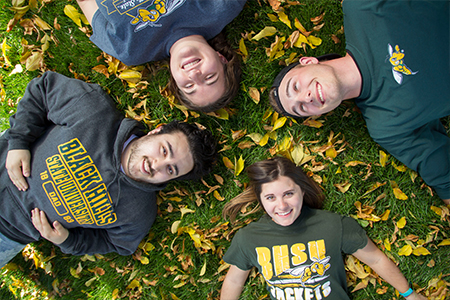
[82, 176]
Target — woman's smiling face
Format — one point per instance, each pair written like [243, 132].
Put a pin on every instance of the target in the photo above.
[282, 200]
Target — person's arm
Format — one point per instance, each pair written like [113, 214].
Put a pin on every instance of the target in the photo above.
[89, 7]
[383, 266]
[446, 201]
[233, 284]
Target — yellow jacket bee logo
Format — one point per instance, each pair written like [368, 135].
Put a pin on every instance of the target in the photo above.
[399, 68]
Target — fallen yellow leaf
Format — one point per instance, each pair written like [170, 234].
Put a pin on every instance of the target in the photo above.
[239, 166]
[399, 194]
[405, 251]
[227, 162]
[254, 94]
[421, 251]
[445, 242]
[383, 158]
[401, 223]
[267, 31]
[284, 18]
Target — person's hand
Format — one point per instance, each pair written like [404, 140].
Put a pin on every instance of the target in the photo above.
[18, 166]
[56, 234]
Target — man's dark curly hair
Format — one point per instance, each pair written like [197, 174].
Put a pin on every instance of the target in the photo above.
[232, 71]
[201, 144]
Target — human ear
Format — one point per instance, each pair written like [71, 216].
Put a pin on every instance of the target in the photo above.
[222, 58]
[307, 60]
[156, 130]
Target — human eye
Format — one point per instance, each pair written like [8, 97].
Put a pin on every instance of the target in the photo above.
[170, 170]
[302, 107]
[270, 197]
[164, 150]
[289, 194]
[189, 85]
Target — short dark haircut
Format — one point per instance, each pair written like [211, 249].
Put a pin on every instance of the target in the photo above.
[201, 144]
[231, 70]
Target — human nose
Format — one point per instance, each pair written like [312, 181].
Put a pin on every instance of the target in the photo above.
[282, 204]
[306, 97]
[195, 74]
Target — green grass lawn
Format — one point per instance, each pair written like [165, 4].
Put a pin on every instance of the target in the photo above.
[168, 265]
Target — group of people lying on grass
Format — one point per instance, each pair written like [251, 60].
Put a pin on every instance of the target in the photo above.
[66, 182]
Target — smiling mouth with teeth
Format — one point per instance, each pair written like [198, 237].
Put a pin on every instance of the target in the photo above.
[319, 91]
[147, 167]
[284, 214]
[192, 63]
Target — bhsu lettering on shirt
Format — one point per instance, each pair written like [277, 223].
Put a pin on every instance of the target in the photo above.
[75, 187]
[298, 272]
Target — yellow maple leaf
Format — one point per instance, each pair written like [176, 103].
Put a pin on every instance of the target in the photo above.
[313, 41]
[218, 196]
[331, 152]
[203, 269]
[131, 76]
[385, 215]
[256, 137]
[437, 210]
[34, 61]
[144, 260]
[5, 47]
[185, 210]
[243, 48]
[227, 162]
[401, 223]
[264, 140]
[174, 227]
[343, 187]
[399, 194]
[239, 166]
[220, 114]
[312, 123]
[401, 168]
[421, 251]
[73, 14]
[267, 31]
[272, 17]
[279, 123]
[387, 244]
[297, 154]
[254, 94]
[41, 23]
[133, 284]
[284, 18]
[445, 242]
[299, 26]
[383, 158]
[405, 250]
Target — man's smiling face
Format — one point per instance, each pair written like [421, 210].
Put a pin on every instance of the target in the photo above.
[310, 89]
[158, 158]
